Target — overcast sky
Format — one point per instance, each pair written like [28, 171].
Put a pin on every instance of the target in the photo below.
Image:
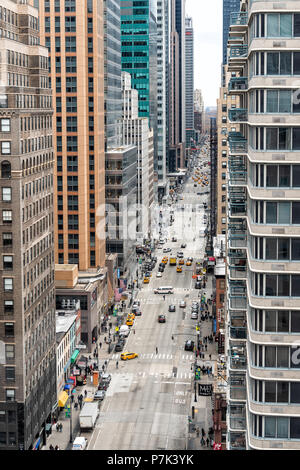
[207, 22]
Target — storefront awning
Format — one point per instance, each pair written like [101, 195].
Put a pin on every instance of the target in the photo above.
[62, 399]
[74, 356]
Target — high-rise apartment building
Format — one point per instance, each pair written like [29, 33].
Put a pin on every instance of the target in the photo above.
[162, 94]
[263, 229]
[73, 31]
[189, 83]
[27, 309]
[139, 57]
[177, 86]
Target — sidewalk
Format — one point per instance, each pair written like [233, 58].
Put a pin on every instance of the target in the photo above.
[203, 406]
[62, 439]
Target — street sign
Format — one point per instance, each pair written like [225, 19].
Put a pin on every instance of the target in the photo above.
[205, 390]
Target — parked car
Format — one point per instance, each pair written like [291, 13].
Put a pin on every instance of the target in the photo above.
[182, 304]
[159, 274]
[189, 345]
[99, 395]
[198, 285]
[194, 316]
[172, 308]
[161, 269]
[106, 378]
[161, 319]
[119, 346]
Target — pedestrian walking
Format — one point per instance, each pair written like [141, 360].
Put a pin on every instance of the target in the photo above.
[210, 357]
[85, 393]
[156, 350]
[202, 442]
[207, 442]
[206, 347]
[203, 432]
[104, 339]
[117, 365]
[198, 431]
[56, 447]
[57, 426]
[51, 447]
[164, 297]
[61, 427]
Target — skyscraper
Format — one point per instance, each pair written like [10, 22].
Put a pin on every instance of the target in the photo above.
[177, 86]
[229, 6]
[263, 229]
[73, 32]
[162, 93]
[139, 56]
[27, 312]
[189, 83]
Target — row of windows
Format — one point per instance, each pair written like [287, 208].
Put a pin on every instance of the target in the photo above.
[32, 101]
[70, 5]
[285, 357]
[17, 58]
[70, 24]
[70, 43]
[275, 25]
[38, 269]
[34, 144]
[37, 249]
[276, 285]
[8, 16]
[276, 321]
[275, 101]
[36, 229]
[36, 208]
[275, 63]
[276, 392]
[17, 79]
[275, 427]
[27, 302]
[275, 249]
[34, 123]
[275, 138]
[281, 213]
[275, 176]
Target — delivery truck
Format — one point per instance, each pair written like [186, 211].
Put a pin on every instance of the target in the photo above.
[88, 415]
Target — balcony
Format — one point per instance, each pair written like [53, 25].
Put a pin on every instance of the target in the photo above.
[237, 203]
[236, 441]
[237, 239]
[238, 357]
[237, 417]
[237, 84]
[237, 143]
[239, 19]
[238, 115]
[237, 386]
[238, 51]
[237, 295]
[237, 170]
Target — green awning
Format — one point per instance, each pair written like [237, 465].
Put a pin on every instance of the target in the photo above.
[74, 356]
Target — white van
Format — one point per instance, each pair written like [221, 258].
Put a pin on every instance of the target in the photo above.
[79, 443]
[124, 330]
[164, 290]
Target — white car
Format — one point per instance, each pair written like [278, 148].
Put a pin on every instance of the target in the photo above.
[182, 304]
[158, 274]
[166, 250]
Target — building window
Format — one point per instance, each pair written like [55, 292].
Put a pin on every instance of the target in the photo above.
[70, 43]
[9, 352]
[7, 216]
[6, 194]
[8, 284]
[5, 148]
[5, 125]
[70, 24]
[7, 262]
[10, 395]
[9, 329]
[8, 306]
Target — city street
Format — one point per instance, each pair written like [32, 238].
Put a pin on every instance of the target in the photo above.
[149, 398]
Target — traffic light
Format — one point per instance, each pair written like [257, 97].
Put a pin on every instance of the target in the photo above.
[193, 412]
[197, 374]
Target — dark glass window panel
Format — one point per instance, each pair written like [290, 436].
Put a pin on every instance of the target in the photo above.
[296, 138]
[272, 172]
[283, 248]
[295, 285]
[296, 68]
[272, 63]
[271, 248]
[270, 356]
[271, 285]
[296, 212]
[294, 428]
[296, 25]
[285, 63]
[271, 212]
[282, 356]
[283, 285]
[296, 176]
[295, 357]
[282, 392]
[270, 320]
[284, 138]
[284, 176]
[295, 321]
[283, 321]
[270, 392]
[295, 392]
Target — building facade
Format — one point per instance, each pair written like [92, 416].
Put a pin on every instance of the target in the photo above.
[189, 83]
[73, 31]
[229, 6]
[177, 86]
[27, 312]
[162, 94]
[263, 238]
[139, 57]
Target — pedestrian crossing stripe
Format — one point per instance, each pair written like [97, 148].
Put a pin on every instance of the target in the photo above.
[189, 357]
[179, 375]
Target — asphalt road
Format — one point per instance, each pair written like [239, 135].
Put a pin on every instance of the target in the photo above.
[148, 400]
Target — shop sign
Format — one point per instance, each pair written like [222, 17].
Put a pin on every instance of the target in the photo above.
[205, 390]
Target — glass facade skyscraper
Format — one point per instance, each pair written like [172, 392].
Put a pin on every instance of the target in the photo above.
[229, 6]
[139, 55]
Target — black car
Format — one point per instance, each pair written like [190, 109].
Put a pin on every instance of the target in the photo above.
[161, 319]
[198, 285]
[183, 245]
[189, 345]
[161, 269]
[172, 308]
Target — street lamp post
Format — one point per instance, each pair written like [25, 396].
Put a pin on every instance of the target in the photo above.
[71, 430]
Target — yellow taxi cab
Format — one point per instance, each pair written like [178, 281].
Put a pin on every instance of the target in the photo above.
[188, 263]
[164, 260]
[181, 261]
[128, 355]
[179, 269]
[129, 321]
[131, 315]
[146, 280]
